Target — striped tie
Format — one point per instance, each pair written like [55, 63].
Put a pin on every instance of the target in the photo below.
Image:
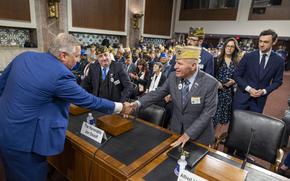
[184, 91]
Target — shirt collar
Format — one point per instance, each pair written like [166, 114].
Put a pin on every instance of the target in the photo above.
[192, 78]
[268, 53]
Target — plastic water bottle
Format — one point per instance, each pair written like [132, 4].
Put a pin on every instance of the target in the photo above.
[91, 119]
[181, 165]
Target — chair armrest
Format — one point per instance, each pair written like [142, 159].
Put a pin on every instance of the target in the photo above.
[279, 157]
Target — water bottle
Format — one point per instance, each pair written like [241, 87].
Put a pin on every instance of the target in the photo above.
[91, 120]
[181, 164]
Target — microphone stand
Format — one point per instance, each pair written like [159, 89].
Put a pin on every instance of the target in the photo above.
[249, 146]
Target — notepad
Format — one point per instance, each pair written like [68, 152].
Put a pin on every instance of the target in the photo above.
[195, 153]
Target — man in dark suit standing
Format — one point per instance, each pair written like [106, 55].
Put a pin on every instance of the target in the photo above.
[194, 98]
[107, 78]
[258, 74]
[35, 92]
[195, 38]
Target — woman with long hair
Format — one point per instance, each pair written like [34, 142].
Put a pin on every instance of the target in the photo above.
[227, 62]
[140, 77]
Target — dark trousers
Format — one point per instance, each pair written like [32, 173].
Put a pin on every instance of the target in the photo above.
[287, 160]
[23, 166]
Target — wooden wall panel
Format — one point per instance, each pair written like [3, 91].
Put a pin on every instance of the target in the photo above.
[158, 15]
[207, 14]
[273, 12]
[99, 14]
[15, 10]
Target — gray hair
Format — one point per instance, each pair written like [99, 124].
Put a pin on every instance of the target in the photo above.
[63, 42]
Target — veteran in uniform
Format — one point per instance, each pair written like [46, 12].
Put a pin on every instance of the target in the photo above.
[107, 78]
[194, 98]
[195, 38]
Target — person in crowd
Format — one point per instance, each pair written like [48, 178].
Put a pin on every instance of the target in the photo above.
[157, 79]
[120, 55]
[284, 54]
[130, 66]
[151, 61]
[166, 66]
[108, 79]
[195, 38]
[194, 97]
[92, 53]
[140, 77]
[226, 65]
[79, 71]
[91, 57]
[258, 74]
[35, 92]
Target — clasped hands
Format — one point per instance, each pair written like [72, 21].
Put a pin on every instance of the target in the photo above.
[129, 108]
[256, 93]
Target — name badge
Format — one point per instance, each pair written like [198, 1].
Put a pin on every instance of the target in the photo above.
[195, 100]
[92, 132]
[188, 176]
[201, 66]
[117, 82]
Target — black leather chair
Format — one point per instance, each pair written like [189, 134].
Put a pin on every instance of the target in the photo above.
[267, 136]
[286, 119]
[153, 114]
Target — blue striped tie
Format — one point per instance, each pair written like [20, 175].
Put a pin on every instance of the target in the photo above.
[184, 91]
[104, 74]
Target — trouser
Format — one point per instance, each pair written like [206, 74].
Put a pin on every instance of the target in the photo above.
[287, 160]
[23, 166]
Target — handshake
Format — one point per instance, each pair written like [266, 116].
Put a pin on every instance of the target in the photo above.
[129, 108]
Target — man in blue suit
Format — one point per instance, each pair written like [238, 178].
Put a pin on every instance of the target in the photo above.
[35, 92]
[258, 74]
[195, 38]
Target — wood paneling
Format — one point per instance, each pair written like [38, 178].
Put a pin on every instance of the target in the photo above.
[158, 15]
[272, 13]
[82, 161]
[207, 14]
[15, 10]
[99, 14]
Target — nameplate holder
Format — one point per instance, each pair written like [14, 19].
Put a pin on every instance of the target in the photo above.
[188, 176]
[93, 132]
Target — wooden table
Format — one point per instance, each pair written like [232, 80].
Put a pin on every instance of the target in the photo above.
[162, 168]
[84, 159]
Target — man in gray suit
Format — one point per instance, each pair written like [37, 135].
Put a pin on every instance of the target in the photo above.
[194, 97]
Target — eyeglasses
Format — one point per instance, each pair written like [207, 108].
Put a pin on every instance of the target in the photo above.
[229, 46]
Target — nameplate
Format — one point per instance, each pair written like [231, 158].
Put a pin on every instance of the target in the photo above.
[92, 132]
[188, 176]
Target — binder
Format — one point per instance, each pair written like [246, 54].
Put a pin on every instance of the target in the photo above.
[194, 153]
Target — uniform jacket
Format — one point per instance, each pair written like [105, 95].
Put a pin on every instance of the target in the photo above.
[194, 118]
[120, 86]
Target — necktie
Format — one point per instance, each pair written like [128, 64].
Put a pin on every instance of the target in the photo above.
[104, 74]
[185, 89]
[262, 64]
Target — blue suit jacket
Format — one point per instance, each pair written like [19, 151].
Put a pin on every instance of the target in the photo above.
[207, 62]
[247, 73]
[35, 92]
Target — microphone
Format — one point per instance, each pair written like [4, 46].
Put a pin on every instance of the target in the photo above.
[248, 150]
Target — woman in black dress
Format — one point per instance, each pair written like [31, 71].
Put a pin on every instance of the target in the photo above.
[227, 62]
